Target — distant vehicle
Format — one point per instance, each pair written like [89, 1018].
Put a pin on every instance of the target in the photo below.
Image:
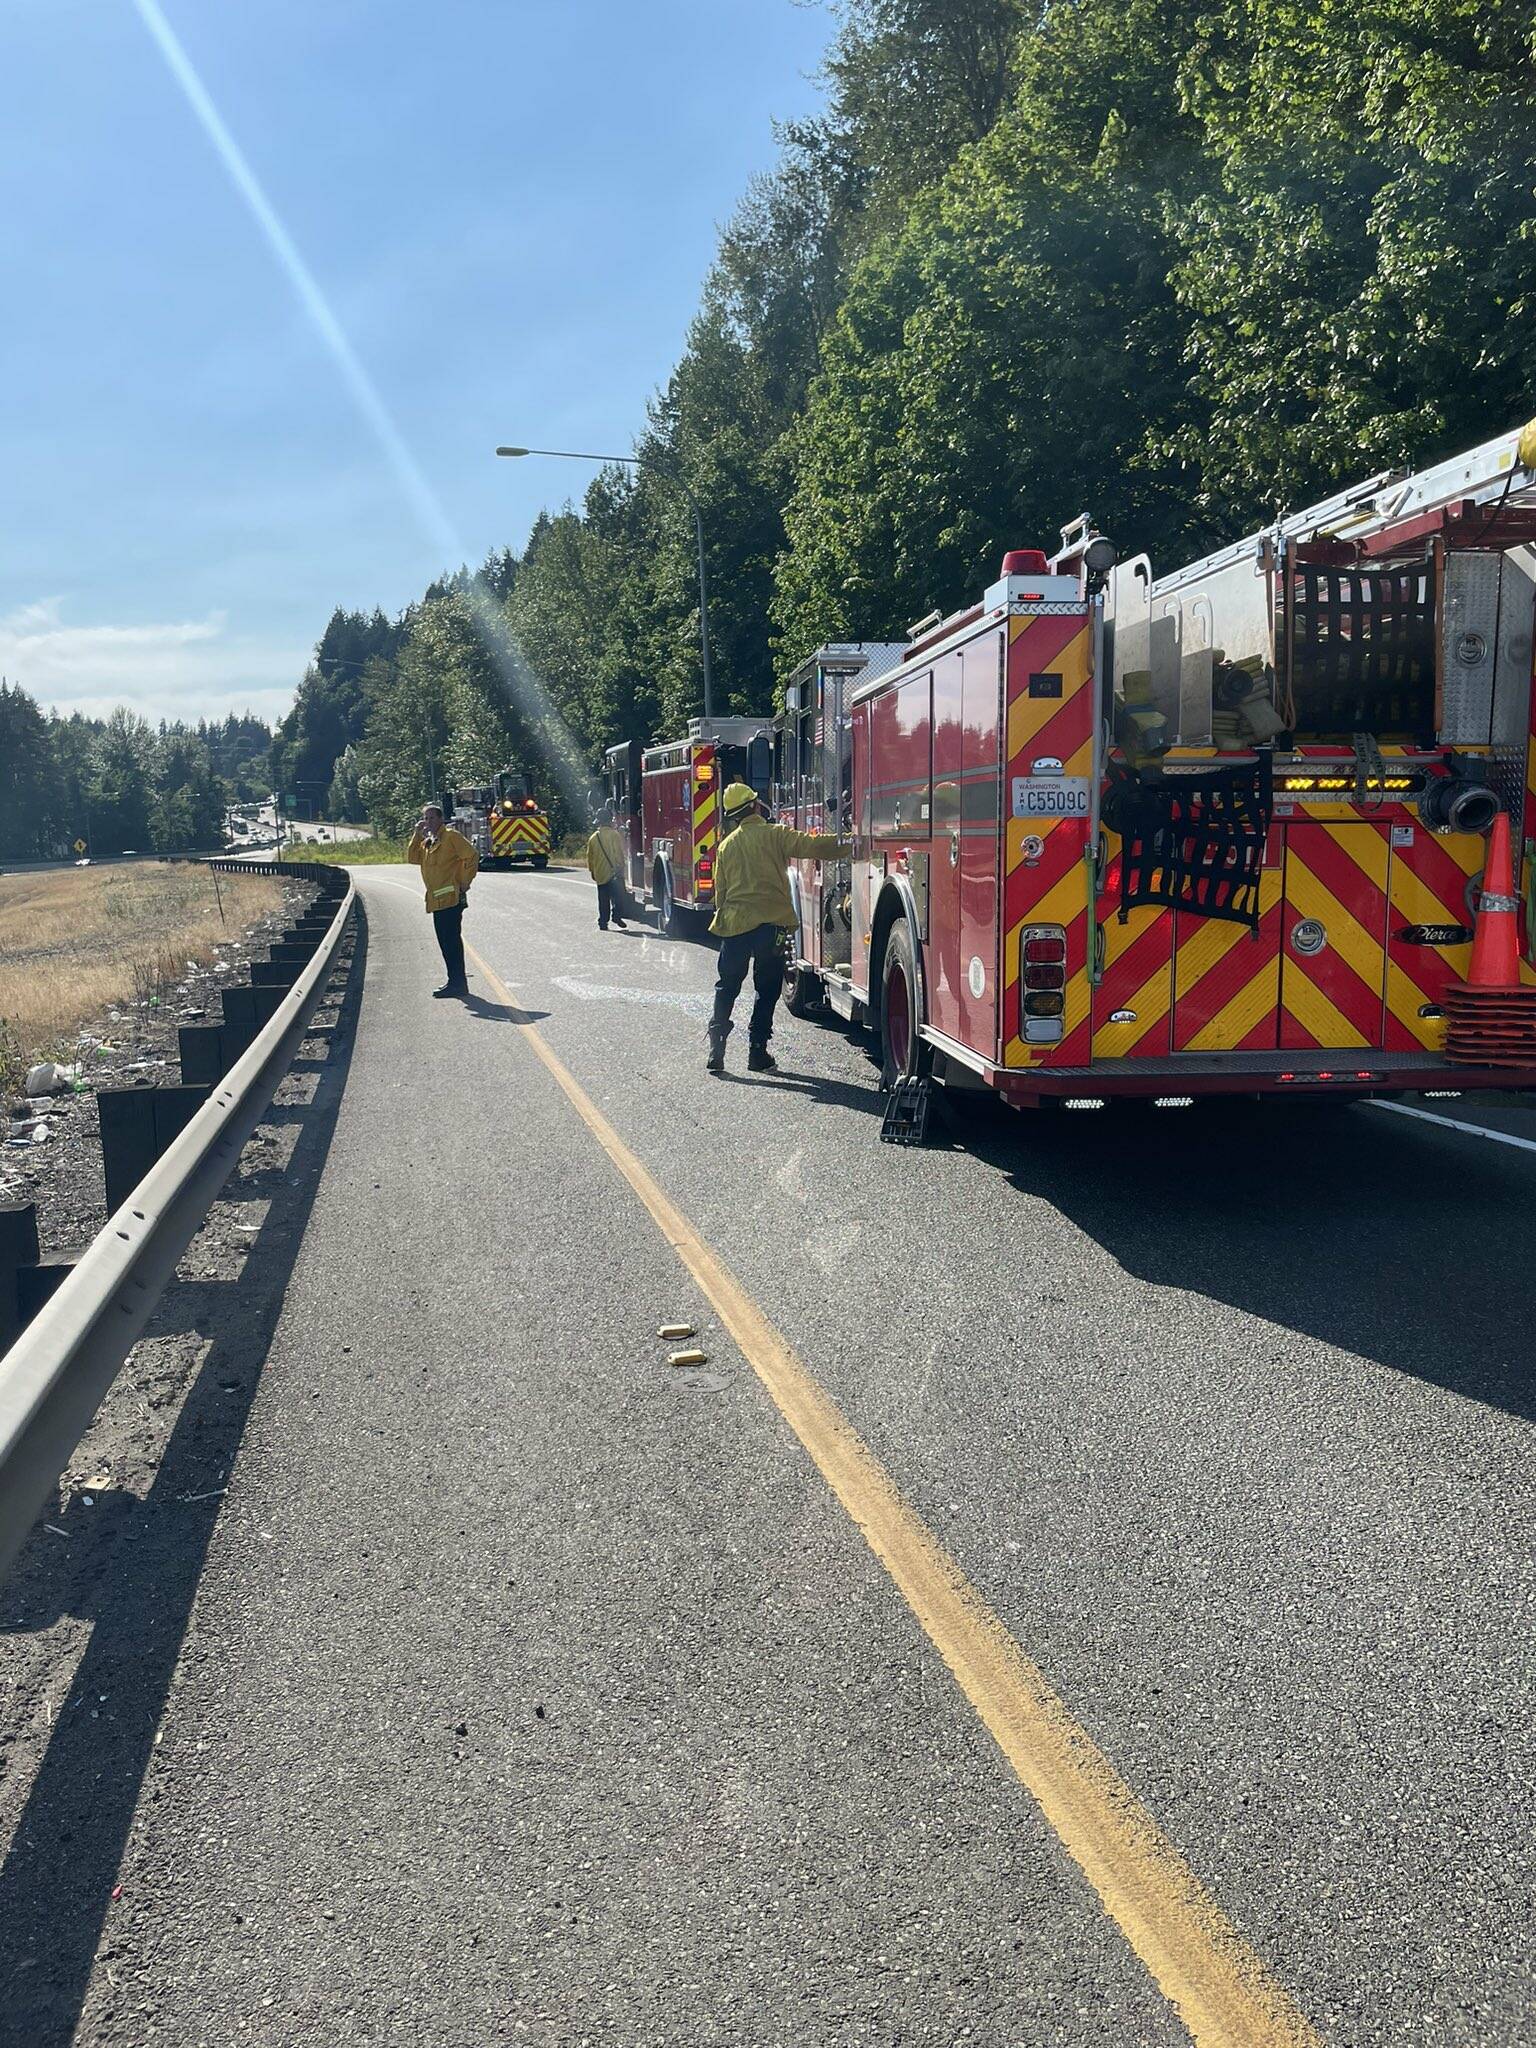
[506, 824]
[83, 863]
[666, 806]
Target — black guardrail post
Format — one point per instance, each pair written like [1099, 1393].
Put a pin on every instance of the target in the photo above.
[137, 1125]
[27, 1279]
[18, 1248]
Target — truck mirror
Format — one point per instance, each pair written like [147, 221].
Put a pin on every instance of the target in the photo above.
[759, 761]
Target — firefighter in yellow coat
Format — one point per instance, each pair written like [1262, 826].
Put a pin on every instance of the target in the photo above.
[605, 864]
[448, 865]
[753, 911]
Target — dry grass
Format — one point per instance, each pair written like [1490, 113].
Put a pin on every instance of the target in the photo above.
[76, 942]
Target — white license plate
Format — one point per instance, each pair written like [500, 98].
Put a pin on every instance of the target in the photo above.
[1050, 796]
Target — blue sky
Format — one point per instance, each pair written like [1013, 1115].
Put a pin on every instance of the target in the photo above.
[509, 204]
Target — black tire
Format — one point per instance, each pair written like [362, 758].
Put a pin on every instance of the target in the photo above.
[805, 993]
[541, 861]
[903, 1055]
[666, 908]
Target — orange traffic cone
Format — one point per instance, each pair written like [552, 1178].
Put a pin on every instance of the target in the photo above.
[1491, 1020]
[1495, 942]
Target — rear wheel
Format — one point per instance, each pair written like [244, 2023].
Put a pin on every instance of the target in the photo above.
[903, 1054]
[541, 861]
[805, 993]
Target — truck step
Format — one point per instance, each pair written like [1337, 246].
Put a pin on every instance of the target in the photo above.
[908, 1109]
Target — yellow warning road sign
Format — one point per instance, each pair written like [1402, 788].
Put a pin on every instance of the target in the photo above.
[79, 846]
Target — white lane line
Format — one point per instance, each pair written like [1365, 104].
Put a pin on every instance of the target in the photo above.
[1451, 1123]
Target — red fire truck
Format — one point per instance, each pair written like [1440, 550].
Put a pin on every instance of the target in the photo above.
[1220, 831]
[666, 802]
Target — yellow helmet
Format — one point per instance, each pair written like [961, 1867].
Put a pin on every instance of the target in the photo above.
[737, 798]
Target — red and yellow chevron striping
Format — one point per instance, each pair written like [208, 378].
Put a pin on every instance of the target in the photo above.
[1049, 716]
[515, 833]
[706, 818]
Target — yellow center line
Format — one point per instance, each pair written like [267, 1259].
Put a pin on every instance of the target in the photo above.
[1210, 1975]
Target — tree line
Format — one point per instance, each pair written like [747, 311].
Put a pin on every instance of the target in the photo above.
[1182, 264]
[120, 784]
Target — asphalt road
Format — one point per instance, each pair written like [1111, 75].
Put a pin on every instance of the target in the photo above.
[535, 1691]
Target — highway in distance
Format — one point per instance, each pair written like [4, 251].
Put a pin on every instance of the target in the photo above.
[1084, 1599]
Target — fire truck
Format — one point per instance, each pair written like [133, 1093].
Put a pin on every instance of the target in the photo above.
[666, 803]
[505, 823]
[1216, 831]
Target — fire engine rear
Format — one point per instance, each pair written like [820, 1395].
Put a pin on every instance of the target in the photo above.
[666, 801]
[505, 823]
[1220, 831]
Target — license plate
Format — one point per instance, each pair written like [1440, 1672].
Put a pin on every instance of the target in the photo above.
[1050, 796]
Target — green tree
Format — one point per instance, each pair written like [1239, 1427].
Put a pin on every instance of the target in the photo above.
[1359, 269]
[1014, 355]
[120, 784]
[28, 805]
[344, 799]
[912, 82]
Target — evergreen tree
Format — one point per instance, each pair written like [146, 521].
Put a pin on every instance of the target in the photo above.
[27, 806]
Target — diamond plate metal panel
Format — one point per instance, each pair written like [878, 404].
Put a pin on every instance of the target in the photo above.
[1469, 630]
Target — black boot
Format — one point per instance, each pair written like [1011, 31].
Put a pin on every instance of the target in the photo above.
[761, 1061]
[715, 1064]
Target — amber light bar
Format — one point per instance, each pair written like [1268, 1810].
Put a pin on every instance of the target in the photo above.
[1344, 785]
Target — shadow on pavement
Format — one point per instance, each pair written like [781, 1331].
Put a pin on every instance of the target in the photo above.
[1413, 1248]
[811, 1087]
[500, 1013]
[131, 1569]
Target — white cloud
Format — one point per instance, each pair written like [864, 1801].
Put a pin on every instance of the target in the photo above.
[182, 668]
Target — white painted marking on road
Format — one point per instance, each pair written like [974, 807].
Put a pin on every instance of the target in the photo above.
[1453, 1123]
[609, 992]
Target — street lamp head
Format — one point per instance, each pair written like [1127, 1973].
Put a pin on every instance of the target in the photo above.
[511, 451]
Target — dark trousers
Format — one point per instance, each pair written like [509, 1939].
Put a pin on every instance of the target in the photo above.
[449, 926]
[761, 949]
[611, 902]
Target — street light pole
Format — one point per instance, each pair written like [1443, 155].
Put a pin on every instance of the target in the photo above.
[639, 462]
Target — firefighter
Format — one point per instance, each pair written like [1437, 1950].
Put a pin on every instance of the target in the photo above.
[753, 911]
[448, 865]
[605, 864]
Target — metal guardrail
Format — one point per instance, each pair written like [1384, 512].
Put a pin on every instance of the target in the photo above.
[55, 1376]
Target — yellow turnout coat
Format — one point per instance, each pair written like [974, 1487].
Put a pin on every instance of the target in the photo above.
[448, 866]
[752, 874]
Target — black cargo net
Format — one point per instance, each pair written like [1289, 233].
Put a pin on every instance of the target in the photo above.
[1362, 652]
[1194, 842]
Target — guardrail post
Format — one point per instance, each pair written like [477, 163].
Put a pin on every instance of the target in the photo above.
[18, 1248]
[208, 1051]
[137, 1125]
[27, 1279]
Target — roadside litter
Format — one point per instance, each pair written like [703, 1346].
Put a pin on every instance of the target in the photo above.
[49, 1077]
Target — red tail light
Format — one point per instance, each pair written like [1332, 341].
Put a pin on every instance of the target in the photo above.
[1043, 982]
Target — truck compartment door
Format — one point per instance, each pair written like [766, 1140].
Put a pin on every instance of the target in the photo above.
[1429, 928]
[1226, 979]
[1333, 950]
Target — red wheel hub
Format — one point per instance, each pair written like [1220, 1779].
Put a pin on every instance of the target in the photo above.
[898, 1019]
